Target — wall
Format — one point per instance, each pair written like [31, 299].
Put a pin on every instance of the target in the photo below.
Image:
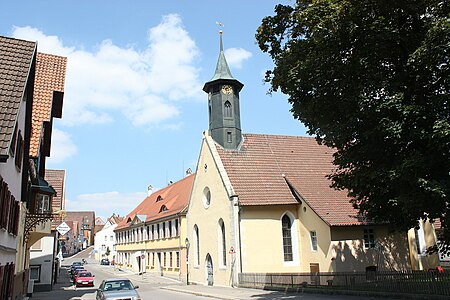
[207, 220]
[44, 258]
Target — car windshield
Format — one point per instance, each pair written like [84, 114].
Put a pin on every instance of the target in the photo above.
[118, 285]
[84, 274]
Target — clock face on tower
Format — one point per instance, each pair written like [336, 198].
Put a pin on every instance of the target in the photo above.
[227, 89]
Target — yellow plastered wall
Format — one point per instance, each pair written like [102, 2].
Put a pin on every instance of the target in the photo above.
[207, 221]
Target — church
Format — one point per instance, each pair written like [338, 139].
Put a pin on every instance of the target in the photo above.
[263, 204]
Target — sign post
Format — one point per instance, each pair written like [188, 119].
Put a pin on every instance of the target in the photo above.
[63, 228]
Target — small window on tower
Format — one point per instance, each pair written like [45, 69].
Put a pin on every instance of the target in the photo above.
[227, 110]
[229, 137]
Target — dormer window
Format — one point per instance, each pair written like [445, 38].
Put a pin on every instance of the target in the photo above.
[159, 198]
[163, 208]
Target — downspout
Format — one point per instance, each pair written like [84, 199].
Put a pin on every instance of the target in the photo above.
[237, 229]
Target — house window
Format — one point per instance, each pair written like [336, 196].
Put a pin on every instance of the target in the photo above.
[420, 240]
[313, 235]
[170, 259]
[287, 238]
[369, 239]
[19, 151]
[197, 245]
[170, 228]
[227, 110]
[111, 238]
[12, 147]
[229, 137]
[35, 273]
[176, 227]
[106, 238]
[178, 259]
[157, 231]
[206, 197]
[163, 230]
[43, 203]
[164, 259]
[223, 245]
[159, 198]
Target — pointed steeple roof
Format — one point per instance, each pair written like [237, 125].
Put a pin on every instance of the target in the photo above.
[222, 70]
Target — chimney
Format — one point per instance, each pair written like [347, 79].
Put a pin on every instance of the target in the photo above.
[149, 190]
[188, 171]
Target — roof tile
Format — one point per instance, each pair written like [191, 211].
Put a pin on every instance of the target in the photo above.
[258, 170]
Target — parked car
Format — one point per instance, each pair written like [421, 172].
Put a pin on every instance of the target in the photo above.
[75, 272]
[84, 278]
[104, 261]
[117, 288]
[73, 268]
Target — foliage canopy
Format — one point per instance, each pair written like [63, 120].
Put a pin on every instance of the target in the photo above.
[370, 78]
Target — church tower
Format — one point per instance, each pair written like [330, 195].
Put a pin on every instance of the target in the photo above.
[223, 104]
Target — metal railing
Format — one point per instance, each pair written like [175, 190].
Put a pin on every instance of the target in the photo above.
[416, 282]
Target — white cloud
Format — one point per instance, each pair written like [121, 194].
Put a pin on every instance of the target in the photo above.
[105, 204]
[62, 146]
[236, 56]
[143, 85]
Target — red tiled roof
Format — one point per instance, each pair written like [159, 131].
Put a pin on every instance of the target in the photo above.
[16, 58]
[50, 77]
[56, 179]
[437, 224]
[258, 173]
[175, 197]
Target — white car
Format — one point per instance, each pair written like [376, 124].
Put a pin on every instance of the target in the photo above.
[117, 288]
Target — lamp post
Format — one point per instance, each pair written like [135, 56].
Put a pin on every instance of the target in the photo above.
[188, 244]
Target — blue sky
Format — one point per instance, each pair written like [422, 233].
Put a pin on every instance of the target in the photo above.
[134, 109]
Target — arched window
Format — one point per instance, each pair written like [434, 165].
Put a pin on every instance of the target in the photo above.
[206, 197]
[227, 110]
[287, 238]
[197, 246]
[222, 243]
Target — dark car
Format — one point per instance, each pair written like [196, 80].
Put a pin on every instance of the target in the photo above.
[104, 261]
[117, 288]
[73, 268]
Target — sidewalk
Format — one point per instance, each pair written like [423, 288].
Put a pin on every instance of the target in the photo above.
[213, 292]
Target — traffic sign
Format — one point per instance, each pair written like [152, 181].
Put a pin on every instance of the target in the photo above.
[232, 250]
[63, 228]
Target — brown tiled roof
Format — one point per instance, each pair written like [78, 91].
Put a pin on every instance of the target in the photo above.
[50, 76]
[56, 179]
[175, 197]
[261, 169]
[16, 57]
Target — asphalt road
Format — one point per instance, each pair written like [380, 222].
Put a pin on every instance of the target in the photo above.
[152, 286]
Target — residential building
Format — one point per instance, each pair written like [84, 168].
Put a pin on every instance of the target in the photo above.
[151, 238]
[263, 204]
[47, 104]
[44, 259]
[83, 223]
[105, 239]
[17, 75]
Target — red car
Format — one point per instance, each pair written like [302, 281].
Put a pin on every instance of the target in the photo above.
[84, 278]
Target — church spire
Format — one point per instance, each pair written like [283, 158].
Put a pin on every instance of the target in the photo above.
[222, 69]
[223, 104]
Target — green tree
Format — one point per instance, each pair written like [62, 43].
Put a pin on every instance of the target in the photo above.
[370, 78]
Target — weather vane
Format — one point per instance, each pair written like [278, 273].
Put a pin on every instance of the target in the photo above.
[220, 26]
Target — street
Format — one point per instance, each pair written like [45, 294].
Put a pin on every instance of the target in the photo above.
[152, 286]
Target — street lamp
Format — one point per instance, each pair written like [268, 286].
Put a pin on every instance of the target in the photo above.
[188, 244]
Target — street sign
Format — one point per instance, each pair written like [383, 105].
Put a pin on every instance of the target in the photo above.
[232, 250]
[63, 228]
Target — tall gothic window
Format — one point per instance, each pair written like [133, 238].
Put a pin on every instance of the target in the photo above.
[287, 238]
[197, 246]
[222, 243]
[227, 110]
